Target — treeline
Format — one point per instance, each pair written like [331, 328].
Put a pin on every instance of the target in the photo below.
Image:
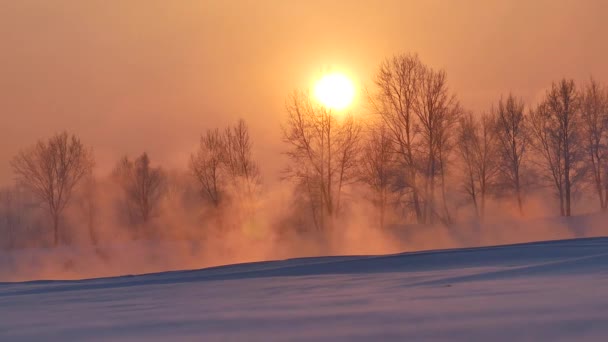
[56, 192]
[418, 156]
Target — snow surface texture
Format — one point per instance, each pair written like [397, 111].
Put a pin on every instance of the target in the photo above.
[549, 291]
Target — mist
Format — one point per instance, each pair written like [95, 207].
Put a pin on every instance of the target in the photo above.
[180, 240]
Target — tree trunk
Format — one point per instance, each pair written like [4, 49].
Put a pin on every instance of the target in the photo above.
[567, 192]
[55, 229]
[416, 197]
[92, 235]
[382, 210]
[561, 203]
[520, 204]
[605, 197]
[448, 218]
[483, 205]
[518, 194]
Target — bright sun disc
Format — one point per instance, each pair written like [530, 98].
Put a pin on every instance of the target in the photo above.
[335, 91]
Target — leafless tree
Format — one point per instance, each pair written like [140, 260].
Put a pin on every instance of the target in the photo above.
[397, 86]
[377, 167]
[513, 139]
[419, 111]
[51, 170]
[242, 174]
[323, 152]
[88, 204]
[556, 125]
[238, 158]
[224, 165]
[437, 111]
[594, 110]
[207, 166]
[548, 144]
[143, 187]
[477, 147]
[467, 144]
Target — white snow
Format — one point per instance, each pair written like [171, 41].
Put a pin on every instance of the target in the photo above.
[547, 291]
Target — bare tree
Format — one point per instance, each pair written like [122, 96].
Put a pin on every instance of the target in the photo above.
[419, 111]
[513, 139]
[594, 110]
[143, 187]
[437, 111]
[238, 158]
[242, 174]
[224, 165]
[51, 170]
[87, 199]
[477, 147]
[323, 152]
[556, 125]
[377, 167]
[207, 166]
[397, 86]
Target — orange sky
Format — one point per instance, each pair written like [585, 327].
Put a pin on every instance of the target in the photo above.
[135, 75]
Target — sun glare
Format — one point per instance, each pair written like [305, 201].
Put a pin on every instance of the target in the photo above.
[335, 91]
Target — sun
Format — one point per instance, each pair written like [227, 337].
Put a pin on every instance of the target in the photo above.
[335, 91]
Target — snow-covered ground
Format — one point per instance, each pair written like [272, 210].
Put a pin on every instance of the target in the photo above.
[539, 291]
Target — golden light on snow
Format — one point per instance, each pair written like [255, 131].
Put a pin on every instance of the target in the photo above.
[335, 91]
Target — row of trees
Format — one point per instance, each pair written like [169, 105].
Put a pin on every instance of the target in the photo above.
[415, 157]
[50, 174]
[563, 140]
[420, 142]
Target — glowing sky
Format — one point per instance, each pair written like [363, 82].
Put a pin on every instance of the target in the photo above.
[135, 75]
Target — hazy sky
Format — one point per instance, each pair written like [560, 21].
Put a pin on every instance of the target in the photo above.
[135, 75]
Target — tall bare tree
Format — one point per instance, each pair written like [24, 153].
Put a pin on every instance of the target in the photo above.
[143, 187]
[437, 110]
[207, 164]
[224, 165]
[513, 139]
[242, 174]
[477, 147]
[88, 204]
[322, 152]
[51, 170]
[419, 111]
[594, 110]
[238, 158]
[397, 86]
[556, 125]
[377, 167]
